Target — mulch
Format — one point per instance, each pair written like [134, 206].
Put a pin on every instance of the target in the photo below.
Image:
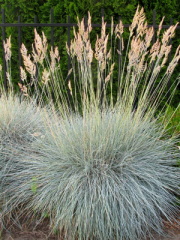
[28, 232]
[43, 232]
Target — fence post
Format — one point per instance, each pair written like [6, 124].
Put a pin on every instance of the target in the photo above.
[169, 80]
[102, 83]
[154, 23]
[52, 45]
[36, 74]
[69, 62]
[19, 44]
[86, 83]
[119, 58]
[154, 39]
[4, 38]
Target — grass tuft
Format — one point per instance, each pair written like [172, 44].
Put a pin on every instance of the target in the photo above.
[101, 176]
[20, 125]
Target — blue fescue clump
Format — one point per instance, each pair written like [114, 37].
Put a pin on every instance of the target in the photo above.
[20, 124]
[104, 176]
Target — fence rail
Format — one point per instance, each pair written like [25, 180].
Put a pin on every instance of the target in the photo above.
[68, 25]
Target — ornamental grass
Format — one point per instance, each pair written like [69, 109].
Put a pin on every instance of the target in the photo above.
[102, 169]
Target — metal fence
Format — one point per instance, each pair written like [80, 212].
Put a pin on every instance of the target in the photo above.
[68, 26]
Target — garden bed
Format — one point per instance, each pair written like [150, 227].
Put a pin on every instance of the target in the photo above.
[42, 232]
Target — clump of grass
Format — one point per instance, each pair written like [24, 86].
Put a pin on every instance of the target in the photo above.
[102, 171]
[21, 122]
[20, 125]
[101, 176]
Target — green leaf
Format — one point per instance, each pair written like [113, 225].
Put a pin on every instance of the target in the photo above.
[98, 4]
[55, 231]
[34, 185]
[46, 214]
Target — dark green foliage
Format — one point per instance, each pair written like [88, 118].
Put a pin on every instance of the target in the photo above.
[169, 9]
[27, 10]
[115, 8]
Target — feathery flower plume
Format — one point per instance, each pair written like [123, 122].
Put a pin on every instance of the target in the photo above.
[103, 29]
[35, 56]
[149, 36]
[30, 66]
[89, 22]
[23, 74]
[45, 45]
[23, 50]
[81, 26]
[78, 47]
[174, 61]
[23, 89]
[74, 32]
[56, 53]
[134, 22]
[7, 48]
[101, 48]
[85, 36]
[142, 66]
[155, 50]
[168, 49]
[141, 27]
[67, 49]
[119, 29]
[168, 34]
[45, 76]
[39, 53]
[134, 52]
[38, 42]
[160, 26]
[72, 48]
[89, 53]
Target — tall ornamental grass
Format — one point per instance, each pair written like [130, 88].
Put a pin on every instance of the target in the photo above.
[104, 170]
